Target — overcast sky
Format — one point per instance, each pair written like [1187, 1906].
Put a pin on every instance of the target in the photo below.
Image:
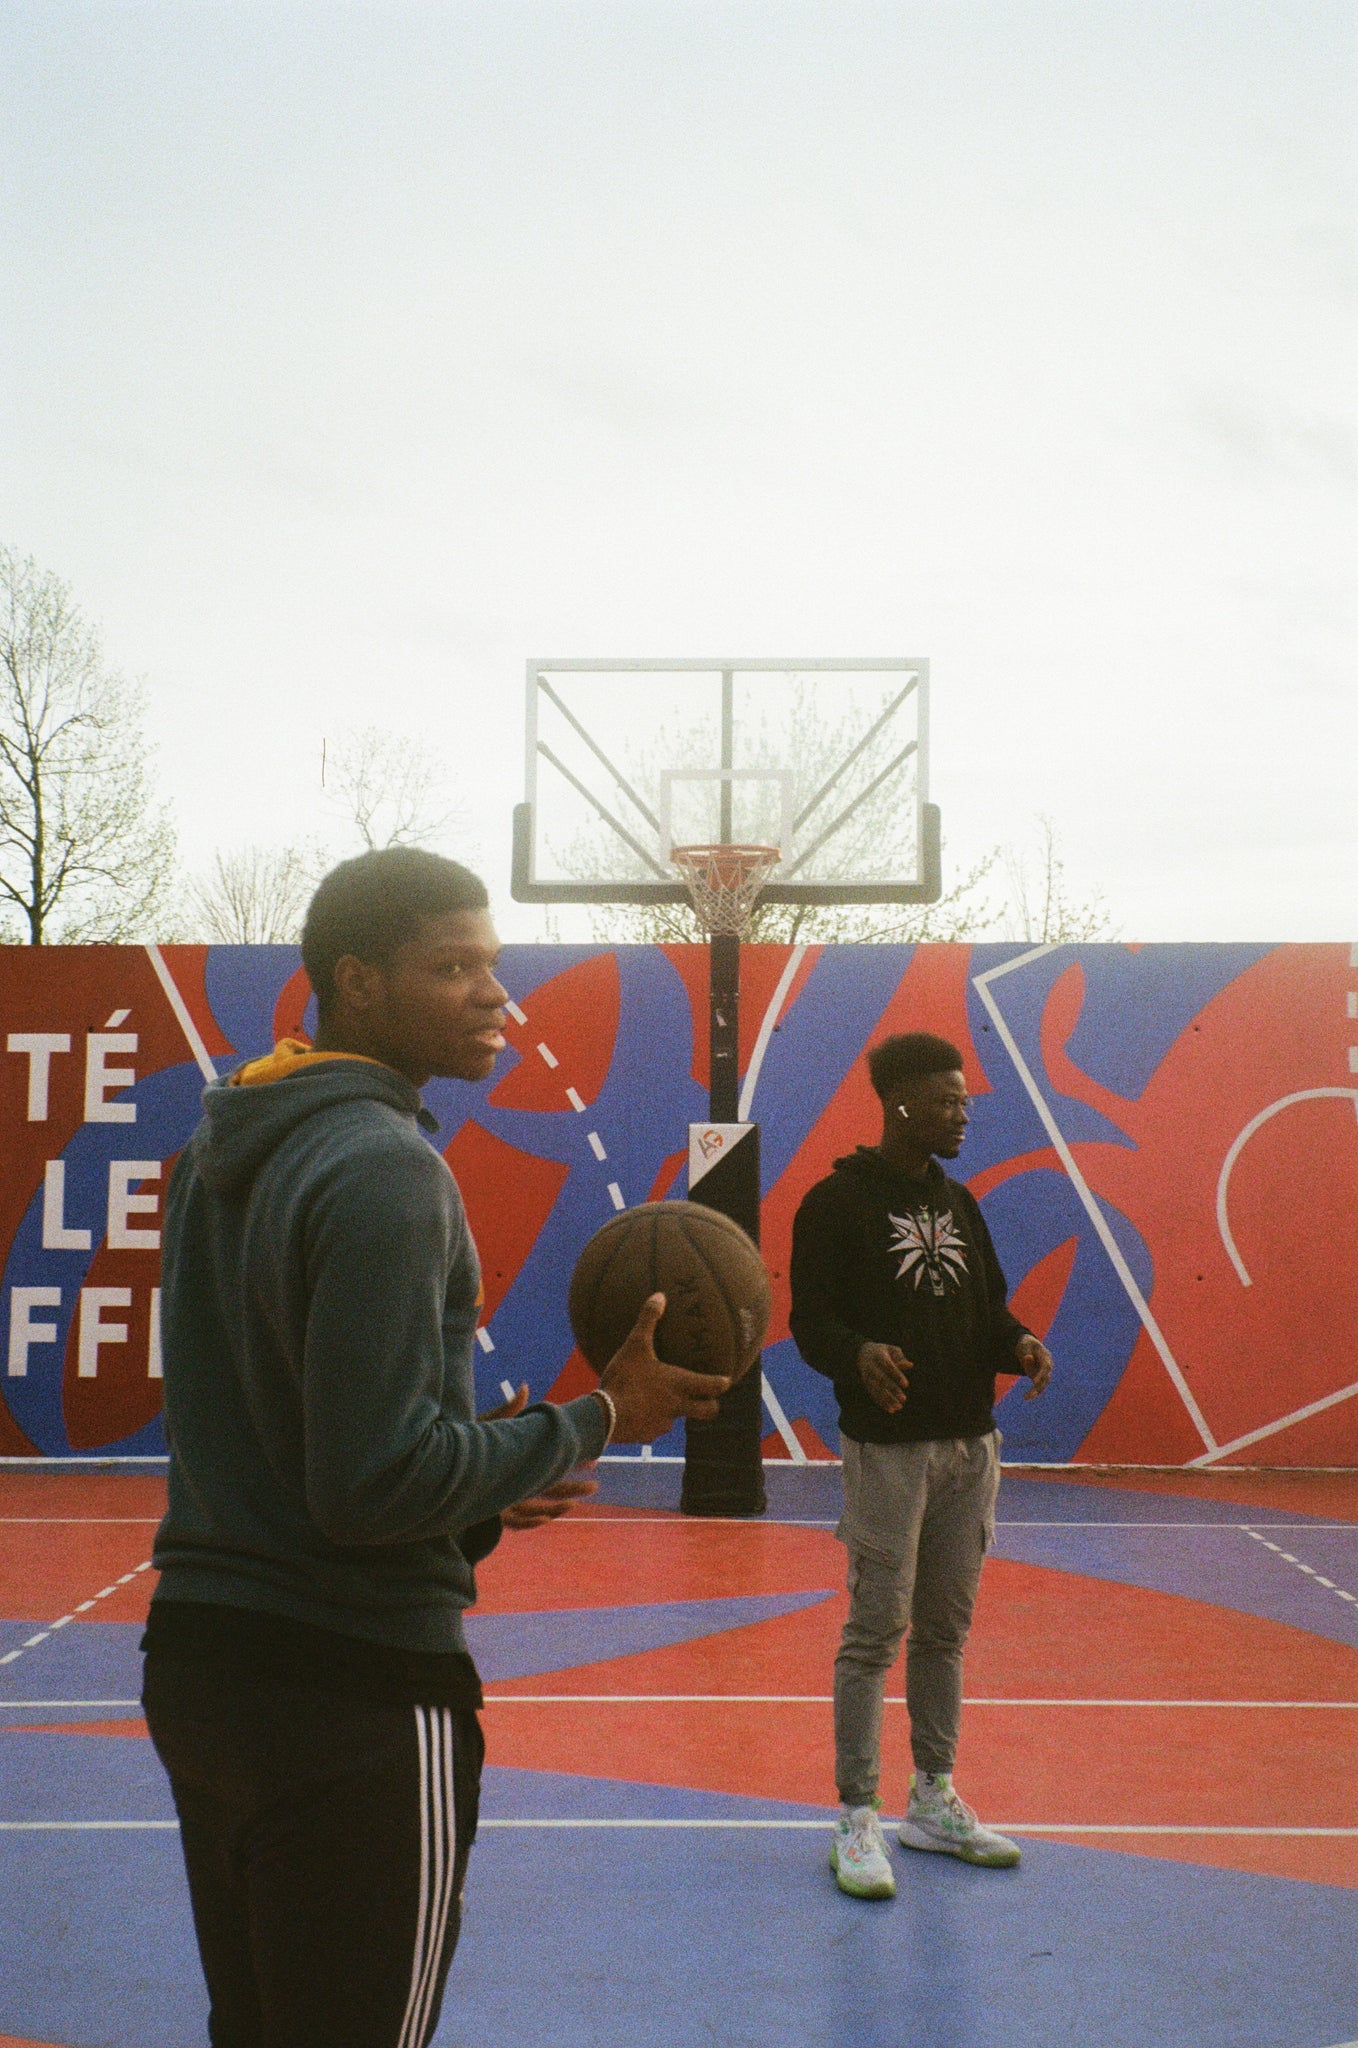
[351, 355]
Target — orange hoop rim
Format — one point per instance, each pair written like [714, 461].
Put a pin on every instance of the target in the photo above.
[724, 882]
[744, 861]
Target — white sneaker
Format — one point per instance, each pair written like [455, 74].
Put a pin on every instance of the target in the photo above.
[937, 1818]
[858, 1855]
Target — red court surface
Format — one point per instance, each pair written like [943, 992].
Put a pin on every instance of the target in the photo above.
[1180, 1685]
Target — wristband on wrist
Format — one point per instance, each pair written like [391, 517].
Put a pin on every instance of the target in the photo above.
[610, 1413]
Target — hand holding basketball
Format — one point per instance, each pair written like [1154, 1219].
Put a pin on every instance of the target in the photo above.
[649, 1395]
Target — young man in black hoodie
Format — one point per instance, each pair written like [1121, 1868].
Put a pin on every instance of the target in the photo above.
[898, 1297]
[331, 1489]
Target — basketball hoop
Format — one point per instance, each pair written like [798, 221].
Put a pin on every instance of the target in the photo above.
[724, 883]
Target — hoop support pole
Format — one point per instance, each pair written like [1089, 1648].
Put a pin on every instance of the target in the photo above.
[723, 1462]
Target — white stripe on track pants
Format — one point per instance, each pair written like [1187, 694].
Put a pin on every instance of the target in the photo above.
[326, 1842]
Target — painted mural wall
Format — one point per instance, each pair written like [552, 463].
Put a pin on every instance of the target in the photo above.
[1164, 1141]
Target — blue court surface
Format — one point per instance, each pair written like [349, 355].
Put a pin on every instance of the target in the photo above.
[1163, 1704]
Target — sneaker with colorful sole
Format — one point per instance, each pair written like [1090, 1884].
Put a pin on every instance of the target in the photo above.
[938, 1818]
[858, 1855]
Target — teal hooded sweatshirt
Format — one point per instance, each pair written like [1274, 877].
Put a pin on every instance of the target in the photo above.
[320, 1296]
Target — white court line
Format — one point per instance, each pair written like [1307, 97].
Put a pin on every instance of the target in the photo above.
[1286, 1557]
[726, 1699]
[824, 1699]
[83, 1827]
[1255, 1436]
[674, 1519]
[780, 1421]
[31, 1706]
[181, 1010]
[1237, 1526]
[1223, 1183]
[981, 984]
[84, 1607]
[766, 1030]
[1008, 1827]
[744, 1521]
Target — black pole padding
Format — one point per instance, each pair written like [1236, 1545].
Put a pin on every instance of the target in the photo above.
[724, 1012]
[723, 1459]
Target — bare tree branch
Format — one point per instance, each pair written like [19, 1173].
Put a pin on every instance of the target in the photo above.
[85, 852]
[1043, 907]
[389, 787]
[256, 896]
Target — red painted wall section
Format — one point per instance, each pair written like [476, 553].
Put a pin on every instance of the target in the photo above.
[108, 1003]
[289, 1016]
[934, 985]
[575, 1377]
[125, 1392]
[761, 970]
[508, 1196]
[1250, 1353]
[575, 1016]
[1038, 1296]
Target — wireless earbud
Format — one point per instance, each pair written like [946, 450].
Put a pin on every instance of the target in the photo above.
[901, 1110]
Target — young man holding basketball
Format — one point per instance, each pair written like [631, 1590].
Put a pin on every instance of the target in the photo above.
[308, 1685]
[898, 1297]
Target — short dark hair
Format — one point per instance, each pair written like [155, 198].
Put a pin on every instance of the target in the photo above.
[376, 902]
[910, 1056]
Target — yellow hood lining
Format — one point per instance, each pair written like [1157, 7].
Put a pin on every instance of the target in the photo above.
[291, 1056]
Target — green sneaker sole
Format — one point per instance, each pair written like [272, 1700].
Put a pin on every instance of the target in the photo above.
[884, 1889]
[995, 1859]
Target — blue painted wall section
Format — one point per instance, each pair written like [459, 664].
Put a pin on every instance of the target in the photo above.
[1135, 1056]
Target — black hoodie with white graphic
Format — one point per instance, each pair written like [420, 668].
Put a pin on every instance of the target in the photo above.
[884, 1257]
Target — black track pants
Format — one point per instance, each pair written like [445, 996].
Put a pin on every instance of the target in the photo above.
[326, 1841]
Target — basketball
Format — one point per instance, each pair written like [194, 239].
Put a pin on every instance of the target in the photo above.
[716, 1290]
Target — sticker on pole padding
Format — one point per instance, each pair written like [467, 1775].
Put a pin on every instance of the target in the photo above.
[708, 1145]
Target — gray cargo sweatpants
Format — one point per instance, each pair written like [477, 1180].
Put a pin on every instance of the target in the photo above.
[918, 1519]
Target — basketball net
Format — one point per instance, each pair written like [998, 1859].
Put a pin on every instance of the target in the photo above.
[724, 883]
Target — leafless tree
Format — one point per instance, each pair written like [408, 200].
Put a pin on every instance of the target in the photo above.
[1043, 906]
[85, 851]
[255, 896]
[388, 787]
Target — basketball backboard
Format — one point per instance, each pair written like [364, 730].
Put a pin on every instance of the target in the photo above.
[826, 760]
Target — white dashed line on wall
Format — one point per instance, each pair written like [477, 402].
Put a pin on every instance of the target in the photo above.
[593, 1139]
